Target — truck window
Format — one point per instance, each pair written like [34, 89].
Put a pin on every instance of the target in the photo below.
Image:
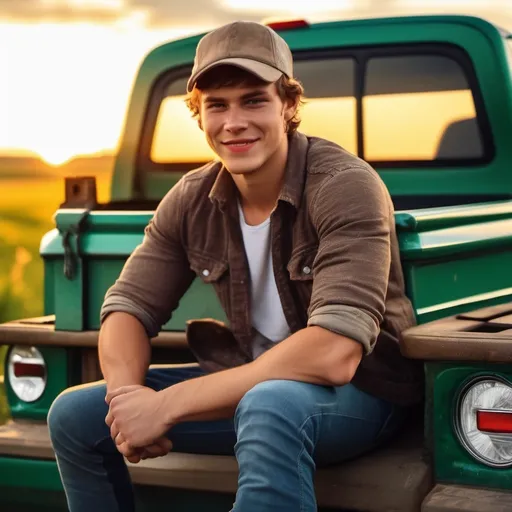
[330, 112]
[330, 109]
[418, 108]
[177, 137]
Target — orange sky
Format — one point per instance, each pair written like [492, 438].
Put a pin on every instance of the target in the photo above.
[68, 65]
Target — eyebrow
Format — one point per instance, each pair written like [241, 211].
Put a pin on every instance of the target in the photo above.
[247, 96]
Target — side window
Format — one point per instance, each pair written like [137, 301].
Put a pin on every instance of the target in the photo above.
[418, 108]
[177, 137]
[330, 107]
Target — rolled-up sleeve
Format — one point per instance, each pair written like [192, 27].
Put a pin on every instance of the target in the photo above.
[353, 217]
[157, 273]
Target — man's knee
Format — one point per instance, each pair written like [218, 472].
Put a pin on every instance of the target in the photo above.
[74, 412]
[276, 400]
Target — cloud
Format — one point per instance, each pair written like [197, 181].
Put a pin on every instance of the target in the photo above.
[209, 13]
[157, 13]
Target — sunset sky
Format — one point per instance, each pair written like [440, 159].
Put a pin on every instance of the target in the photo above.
[67, 65]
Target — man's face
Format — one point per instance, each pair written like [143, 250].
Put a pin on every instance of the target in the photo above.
[244, 125]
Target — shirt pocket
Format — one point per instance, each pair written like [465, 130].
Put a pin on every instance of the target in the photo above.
[208, 269]
[300, 266]
[300, 270]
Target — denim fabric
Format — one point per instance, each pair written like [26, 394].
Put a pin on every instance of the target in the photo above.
[282, 430]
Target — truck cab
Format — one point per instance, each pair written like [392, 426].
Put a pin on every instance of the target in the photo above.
[427, 101]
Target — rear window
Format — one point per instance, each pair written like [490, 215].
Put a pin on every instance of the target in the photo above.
[419, 107]
[389, 108]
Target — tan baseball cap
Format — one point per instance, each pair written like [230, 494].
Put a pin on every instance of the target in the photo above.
[247, 45]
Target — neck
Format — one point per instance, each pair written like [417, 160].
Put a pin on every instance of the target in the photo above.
[260, 189]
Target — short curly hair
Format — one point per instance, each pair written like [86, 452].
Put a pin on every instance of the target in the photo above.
[227, 76]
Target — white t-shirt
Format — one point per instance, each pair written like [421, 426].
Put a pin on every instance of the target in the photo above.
[267, 314]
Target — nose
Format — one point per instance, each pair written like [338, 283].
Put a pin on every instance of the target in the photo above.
[235, 121]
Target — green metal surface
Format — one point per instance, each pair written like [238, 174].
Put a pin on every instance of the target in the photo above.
[452, 242]
[49, 288]
[452, 463]
[57, 360]
[69, 299]
[20, 473]
[445, 287]
[424, 219]
[480, 39]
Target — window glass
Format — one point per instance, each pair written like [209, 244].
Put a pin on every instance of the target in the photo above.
[177, 137]
[418, 107]
[330, 106]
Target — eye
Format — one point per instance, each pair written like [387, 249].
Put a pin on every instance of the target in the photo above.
[255, 101]
[215, 106]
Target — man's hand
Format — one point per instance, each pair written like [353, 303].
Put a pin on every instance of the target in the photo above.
[136, 417]
[160, 447]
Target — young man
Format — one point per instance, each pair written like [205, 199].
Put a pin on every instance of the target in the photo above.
[297, 237]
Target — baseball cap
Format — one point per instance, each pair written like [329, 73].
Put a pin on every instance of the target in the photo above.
[247, 45]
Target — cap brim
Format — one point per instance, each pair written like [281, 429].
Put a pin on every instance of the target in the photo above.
[264, 71]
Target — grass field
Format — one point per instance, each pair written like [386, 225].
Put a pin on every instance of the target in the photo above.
[27, 207]
[26, 214]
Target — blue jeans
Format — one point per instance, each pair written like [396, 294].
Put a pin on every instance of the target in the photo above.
[282, 430]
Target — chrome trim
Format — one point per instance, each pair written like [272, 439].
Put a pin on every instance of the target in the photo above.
[456, 418]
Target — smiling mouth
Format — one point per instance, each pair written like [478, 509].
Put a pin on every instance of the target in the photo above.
[240, 143]
[240, 146]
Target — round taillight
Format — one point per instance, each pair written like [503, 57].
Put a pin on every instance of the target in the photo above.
[484, 421]
[26, 371]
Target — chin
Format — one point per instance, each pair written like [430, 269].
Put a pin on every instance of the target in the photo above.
[242, 165]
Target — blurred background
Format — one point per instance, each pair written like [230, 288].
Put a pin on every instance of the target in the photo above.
[66, 69]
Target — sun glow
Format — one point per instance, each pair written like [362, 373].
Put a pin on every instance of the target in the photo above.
[65, 87]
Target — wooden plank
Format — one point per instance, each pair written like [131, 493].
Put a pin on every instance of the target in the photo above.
[482, 347]
[485, 314]
[19, 333]
[454, 498]
[502, 320]
[393, 477]
[25, 439]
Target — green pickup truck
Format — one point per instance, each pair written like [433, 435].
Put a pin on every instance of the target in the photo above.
[427, 101]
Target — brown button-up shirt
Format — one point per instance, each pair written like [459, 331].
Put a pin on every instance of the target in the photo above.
[335, 257]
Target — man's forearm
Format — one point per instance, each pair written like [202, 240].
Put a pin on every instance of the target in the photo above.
[124, 350]
[312, 355]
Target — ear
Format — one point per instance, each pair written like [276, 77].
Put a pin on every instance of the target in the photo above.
[200, 124]
[290, 108]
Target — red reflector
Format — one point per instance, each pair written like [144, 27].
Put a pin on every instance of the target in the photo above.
[494, 422]
[28, 370]
[287, 25]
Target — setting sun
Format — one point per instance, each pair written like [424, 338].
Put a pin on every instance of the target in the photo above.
[67, 86]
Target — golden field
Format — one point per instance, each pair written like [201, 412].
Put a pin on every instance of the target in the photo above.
[27, 206]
